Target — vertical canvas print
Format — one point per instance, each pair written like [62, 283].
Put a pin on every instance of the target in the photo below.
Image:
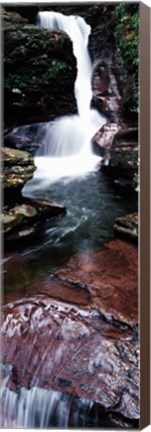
[70, 171]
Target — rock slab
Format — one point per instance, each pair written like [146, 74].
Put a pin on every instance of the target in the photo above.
[76, 333]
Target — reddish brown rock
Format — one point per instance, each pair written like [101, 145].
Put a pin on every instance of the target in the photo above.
[76, 333]
[104, 137]
[57, 346]
[127, 227]
[104, 279]
[106, 93]
[123, 158]
[110, 275]
[57, 289]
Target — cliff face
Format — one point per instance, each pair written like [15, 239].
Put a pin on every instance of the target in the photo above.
[39, 72]
[115, 84]
[114, 44]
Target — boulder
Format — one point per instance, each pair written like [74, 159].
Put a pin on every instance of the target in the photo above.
[118, 145]
[103, 139]
[18, 167]
[22, 137]
[39, 73]
[127, 227]
[123, 159]
[25, 220]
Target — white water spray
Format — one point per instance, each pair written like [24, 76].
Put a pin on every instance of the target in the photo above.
[79, 32]
[41, 408]
[66, 143]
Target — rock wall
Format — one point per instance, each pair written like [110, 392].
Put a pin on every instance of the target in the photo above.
[118, 138]
[39, 72]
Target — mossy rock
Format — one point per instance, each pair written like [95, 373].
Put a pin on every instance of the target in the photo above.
[123, 164]
[17, 167]
[15, 157]
[17, 215]
[28, 218]
[126, 227]
[39, 74]
[11, 18]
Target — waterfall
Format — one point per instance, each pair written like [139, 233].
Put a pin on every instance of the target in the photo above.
[79, 32]
[66, 142]
[41, 408]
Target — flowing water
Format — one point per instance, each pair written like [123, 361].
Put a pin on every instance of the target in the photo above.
[41, 408]
[67, 172]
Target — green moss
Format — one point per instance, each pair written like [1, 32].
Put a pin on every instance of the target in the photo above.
[40, 63]
[18, 167]
[126, 30]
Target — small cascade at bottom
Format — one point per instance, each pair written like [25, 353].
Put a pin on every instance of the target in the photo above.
[65, 151]
[42, 408]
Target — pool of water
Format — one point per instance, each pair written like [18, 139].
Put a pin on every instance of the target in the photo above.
[92, 205]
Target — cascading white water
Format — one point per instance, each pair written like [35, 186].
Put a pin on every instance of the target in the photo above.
[79, 32]
[42, 408]
[66, 149]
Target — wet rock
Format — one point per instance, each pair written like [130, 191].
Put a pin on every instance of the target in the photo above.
[124, 161]
[18, 167]
[25, 220]
[110, 276]
[104, 279]
[22, 138]
[15, 157]
[106, 85]
[81, 322]
[17, 215]
[103, 139]
[107, 97]
[96, 361]
[38, 65]
[118, 146]
[127, 227]
[63, 291]
[116, 140]
[57, 409]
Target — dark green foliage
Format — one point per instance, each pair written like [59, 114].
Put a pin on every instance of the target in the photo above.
[41, 66]
[126, 21]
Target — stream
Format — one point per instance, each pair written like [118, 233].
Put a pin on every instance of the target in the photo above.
[69, 173]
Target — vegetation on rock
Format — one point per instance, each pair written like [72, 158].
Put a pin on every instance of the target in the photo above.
[22, 217]
[39, 74]
[18, 167]
[126, 19]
